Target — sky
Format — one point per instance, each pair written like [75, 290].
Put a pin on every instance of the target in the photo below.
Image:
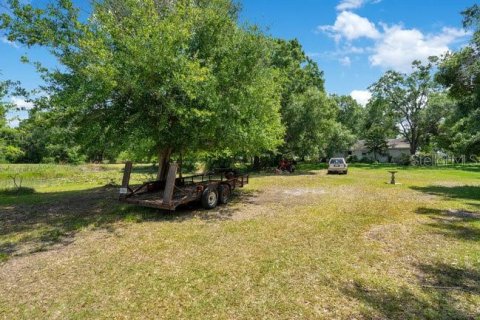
[353, 41]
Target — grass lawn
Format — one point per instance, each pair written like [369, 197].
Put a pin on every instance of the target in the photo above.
[301, 246]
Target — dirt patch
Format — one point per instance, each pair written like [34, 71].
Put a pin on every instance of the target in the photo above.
[253, 204]
[386, 232]
[303, 191]
[292, 197]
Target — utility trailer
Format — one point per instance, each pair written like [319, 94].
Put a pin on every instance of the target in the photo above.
[210, 189]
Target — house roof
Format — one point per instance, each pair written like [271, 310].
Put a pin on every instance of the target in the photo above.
[399, 144]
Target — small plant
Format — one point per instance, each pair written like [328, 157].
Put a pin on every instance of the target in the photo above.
[17, 184]
[3, 257]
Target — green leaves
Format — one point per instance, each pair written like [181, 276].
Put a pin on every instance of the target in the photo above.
[311, 121]
[407, 96]
[174, 74]
[459, 72]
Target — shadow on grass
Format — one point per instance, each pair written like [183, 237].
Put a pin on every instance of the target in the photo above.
[17, 191]
[454, 223]
[443, 293]
[460, 167]
[470, 168]
[456, 192]
[271, 173]
[37, 222]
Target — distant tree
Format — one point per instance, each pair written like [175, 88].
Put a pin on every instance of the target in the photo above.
[4, 106]
[376, 141]
[378, 115]
[43, 140]
[311, 120]
[350, 113]
[306, 111]
[438, 125]
[170, 75]
[459, 72]
[378, 126]
[338, 138]
[9, 150]
[407, 97]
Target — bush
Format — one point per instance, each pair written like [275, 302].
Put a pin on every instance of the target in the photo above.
[11, 154]
[403, 160]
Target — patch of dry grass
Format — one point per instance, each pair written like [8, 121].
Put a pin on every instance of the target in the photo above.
[306, 246]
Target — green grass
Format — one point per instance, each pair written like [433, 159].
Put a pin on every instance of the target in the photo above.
[300, 246]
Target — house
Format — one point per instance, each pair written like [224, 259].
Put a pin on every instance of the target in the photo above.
[398, 151]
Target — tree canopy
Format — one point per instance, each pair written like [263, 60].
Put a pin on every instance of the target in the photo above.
[459, 72]
[9, 149]
[173, 74]
[152, 78]
[407, 96]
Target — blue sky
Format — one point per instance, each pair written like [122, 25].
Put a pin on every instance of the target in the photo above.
[353, 41]
[356, 41]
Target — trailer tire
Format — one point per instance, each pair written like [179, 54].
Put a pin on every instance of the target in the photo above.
[209, 198]
[224, 193]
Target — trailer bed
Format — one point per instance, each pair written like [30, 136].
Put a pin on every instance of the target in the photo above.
[175, 191]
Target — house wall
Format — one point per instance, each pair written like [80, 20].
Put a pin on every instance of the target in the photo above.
[394, 154]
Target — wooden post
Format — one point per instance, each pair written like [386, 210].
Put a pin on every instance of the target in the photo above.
[126, 179]
[163, 160]
[170, 184]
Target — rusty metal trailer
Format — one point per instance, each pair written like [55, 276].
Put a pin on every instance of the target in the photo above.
[210, 189]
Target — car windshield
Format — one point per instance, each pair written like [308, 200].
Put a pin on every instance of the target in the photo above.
[336, 161]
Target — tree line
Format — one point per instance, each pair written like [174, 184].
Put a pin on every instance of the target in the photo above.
[157, 79]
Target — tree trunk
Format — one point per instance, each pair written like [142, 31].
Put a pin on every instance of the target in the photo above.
[413, 148]
[180, 164]
[413, 142]
[163, 161]
[256, 163]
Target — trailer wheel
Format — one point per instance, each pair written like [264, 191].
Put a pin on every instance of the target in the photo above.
[209, 198]
[223, 193]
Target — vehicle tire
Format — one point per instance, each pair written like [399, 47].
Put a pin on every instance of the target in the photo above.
[209, 198]
[329, 172]
[224, 193]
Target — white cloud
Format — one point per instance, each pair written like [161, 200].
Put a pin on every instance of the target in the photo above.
[349, 4]
[354, 4]
[398, 47]
[345, 61]
[350, 26]
[361, 96]
[353, 49]
[21, 103]
[394, 47]
[10, 43]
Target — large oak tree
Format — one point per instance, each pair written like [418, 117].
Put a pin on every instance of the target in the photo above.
[170, 75]
[407, 97]
[459, 72]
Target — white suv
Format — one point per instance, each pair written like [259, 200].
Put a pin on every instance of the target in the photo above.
[338, 165]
